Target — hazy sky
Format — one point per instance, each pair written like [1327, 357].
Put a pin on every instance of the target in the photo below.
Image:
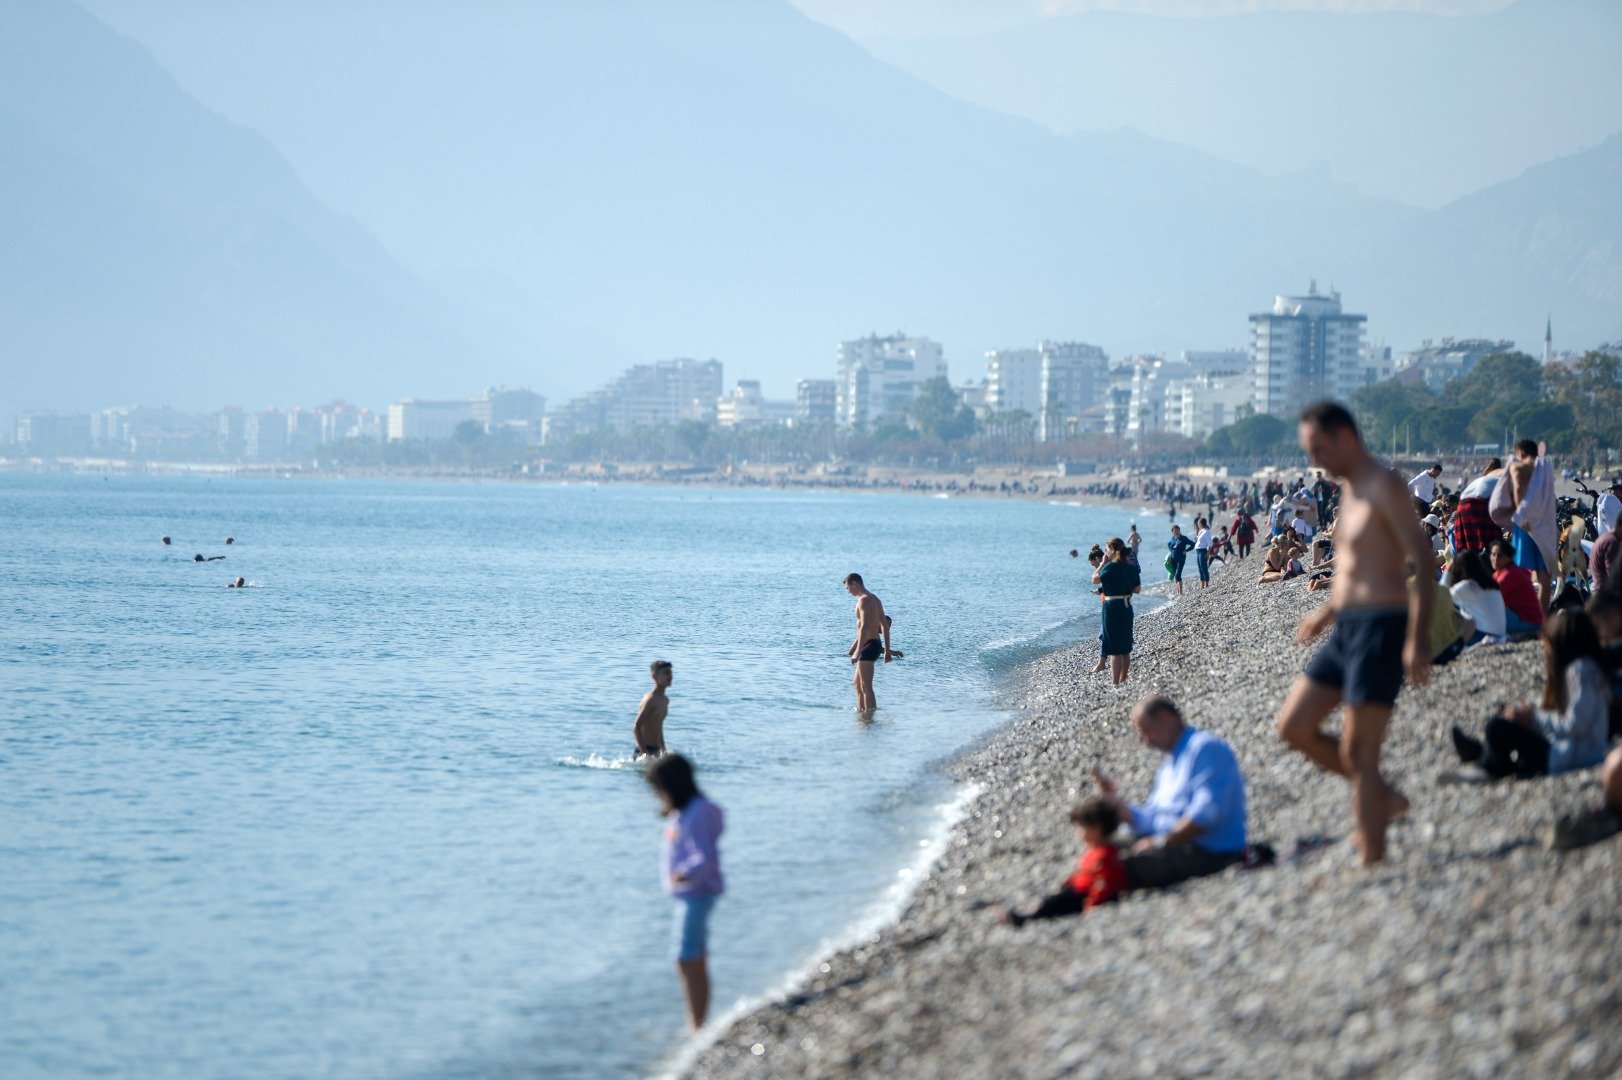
[930, 18]
[1422, 101]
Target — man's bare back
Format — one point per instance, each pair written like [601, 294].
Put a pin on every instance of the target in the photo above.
[648, 730]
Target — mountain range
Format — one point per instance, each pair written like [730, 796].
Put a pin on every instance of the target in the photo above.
[290, 200]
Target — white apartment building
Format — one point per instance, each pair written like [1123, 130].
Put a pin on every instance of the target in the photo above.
[1014, 381]
[1303, 350]
[1438, 363]
[413, 419]
[879, 377]
[647, 395]
[1192, 396]
[816, 401]
[517, 414]
[1074, 383]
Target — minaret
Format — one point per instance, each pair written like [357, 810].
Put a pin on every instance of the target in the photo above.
[1548, 341]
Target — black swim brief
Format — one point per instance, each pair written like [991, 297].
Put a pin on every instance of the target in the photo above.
[1363, 656]
[872, 650]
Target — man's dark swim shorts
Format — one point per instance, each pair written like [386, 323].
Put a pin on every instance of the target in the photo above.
[872, 650]
[1363, 656]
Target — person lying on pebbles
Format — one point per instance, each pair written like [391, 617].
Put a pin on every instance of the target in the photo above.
[1572, 728]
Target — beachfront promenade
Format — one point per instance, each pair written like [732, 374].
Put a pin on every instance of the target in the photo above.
[1471, 952]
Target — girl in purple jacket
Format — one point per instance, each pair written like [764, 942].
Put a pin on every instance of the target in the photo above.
[691, 865]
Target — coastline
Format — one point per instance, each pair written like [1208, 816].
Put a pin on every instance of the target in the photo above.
[1472, 950]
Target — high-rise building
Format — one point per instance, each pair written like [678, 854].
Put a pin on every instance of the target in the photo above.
[1014, 381]
[264, 435]
[879, 377]
[53, 433]
[1073, 381]
[517, 414]
[647, 395]
[816, 401]
[1304, 350]
[435, 420]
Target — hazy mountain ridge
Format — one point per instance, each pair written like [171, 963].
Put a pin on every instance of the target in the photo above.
[729, 178]
[158, 252]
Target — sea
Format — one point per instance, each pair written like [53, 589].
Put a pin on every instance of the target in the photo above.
[376, 814]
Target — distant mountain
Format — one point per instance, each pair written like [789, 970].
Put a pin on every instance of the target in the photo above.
[154, 251]
[730, 178]
[1549, 240]
[1420, 107]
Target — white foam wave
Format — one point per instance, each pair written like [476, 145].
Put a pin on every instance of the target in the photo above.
[597, 761]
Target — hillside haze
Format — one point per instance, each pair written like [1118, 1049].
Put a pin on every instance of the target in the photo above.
[157, 252]
[1419, 107]
[729, 178]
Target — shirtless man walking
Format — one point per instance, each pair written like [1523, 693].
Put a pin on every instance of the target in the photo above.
[872, 641]
[1379, 624]
[649, 727]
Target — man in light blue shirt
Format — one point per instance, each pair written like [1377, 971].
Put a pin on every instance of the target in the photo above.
[1194, 821]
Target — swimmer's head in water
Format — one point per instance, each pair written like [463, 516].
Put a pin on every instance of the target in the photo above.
[198, 557]
[230, 539]
[165, 541]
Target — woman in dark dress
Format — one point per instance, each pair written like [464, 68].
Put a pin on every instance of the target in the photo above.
[1118, 582]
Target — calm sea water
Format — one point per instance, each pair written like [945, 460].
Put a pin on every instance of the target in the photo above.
[374, 815]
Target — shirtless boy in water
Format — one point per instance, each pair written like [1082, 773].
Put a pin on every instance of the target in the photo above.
[1378, 624]
[649, 727]
[872, 641]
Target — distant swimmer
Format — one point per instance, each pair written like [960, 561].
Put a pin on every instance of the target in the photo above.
[230, 539]
[239, 583]
[872, 641]
[648, 730]
[211, 558]
[165, 541]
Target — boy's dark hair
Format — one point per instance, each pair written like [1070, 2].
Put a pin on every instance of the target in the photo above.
[1527, 447]
[658, 666]
[1330, 416]
[853, 579]
[1094, 812]
[672, 776]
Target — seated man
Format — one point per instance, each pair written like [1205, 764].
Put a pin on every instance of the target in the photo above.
[1194, 821]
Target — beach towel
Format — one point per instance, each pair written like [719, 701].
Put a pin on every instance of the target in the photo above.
[1473, 526]
[1500, 504]
[1536, 513]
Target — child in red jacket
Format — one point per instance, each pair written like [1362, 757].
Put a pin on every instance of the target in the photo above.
[1100, 876]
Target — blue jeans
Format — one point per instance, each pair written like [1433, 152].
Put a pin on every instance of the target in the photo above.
[1202, 560]
[1514, 624]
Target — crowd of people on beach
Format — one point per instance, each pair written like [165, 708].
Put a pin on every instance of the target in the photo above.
[1417, 575]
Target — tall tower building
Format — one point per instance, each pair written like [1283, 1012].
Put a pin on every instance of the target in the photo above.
[1304, 350]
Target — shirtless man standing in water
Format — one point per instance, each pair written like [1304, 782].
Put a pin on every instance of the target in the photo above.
[649, 728]
[1379, 624]
[872, 641]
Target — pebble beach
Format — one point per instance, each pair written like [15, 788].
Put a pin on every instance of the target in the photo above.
[1472, 951]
